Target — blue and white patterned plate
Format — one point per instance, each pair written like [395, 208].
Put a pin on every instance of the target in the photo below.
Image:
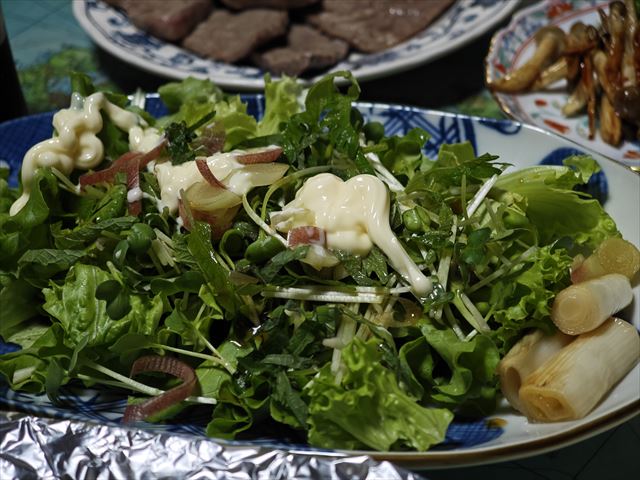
[514, 45]
[504, 435]
[111, 29]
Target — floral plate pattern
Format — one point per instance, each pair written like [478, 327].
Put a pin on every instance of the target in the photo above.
[111, 29]
[502, 436]
[514, 45]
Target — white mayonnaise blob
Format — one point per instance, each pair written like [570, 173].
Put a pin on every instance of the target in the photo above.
[143, 139]
[76, 144]
[355, 216]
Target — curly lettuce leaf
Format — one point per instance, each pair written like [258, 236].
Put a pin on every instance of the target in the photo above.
[19, 301]
[523, 299]
[28, 229]
[281, 102]
[27, 369]
[552, 205]
[84, 318]
[458, 374]
[192, 99]
[180, 97]
[368, 409]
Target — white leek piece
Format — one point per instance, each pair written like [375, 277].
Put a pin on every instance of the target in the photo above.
[524, 358]
[570, 384]
[582, 307]
[614, 255]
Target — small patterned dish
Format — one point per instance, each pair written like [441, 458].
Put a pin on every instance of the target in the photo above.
[500, 437]
[110, 29]
[514, 45]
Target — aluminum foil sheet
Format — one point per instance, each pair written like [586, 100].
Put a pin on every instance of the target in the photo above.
[44, 448]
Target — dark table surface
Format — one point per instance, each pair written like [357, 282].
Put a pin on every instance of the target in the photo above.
[47, 42]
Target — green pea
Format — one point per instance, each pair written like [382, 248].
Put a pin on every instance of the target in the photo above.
[263, 249]
[483, 307]
[412, 221]
[514, 220]
[140, 237]
[374, 131]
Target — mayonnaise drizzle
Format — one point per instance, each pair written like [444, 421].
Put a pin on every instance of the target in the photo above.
[76, 144]
[355, 216]
[173, 178]
[237, 177]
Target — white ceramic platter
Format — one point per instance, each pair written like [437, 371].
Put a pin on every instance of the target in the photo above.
[514, 45]
[502, 436]
[464, 21]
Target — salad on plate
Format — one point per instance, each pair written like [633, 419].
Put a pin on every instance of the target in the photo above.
[304, 273]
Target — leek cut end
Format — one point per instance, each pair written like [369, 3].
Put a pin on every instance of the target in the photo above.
[572, 310]
[544, 406]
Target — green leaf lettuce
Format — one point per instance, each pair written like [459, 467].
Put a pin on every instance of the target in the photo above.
[368, 408]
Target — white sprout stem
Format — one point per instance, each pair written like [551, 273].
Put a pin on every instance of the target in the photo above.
[363, 333]
[142, 388]
[445, 263]
[252, 310]
[157, 263]
[463, 195]
[480, 195]
[139, 99]
[65, 182]
[471, 334]
[304, 294]
[163, 253]
[222, 361]
[346, 332]
[453, 322]
[261, 223]
[479, 322]
[384, 174]
[189, 353]
[480, 212]
[319, 294]
[502, 270]
[492, 214]
[165, 238]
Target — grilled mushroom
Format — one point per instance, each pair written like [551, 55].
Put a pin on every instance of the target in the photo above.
[599, 59]
[580, 39]
[577, 100]
[550, 43]
[558, 70]
[614, 25]
[610, 124]
[629, 72]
